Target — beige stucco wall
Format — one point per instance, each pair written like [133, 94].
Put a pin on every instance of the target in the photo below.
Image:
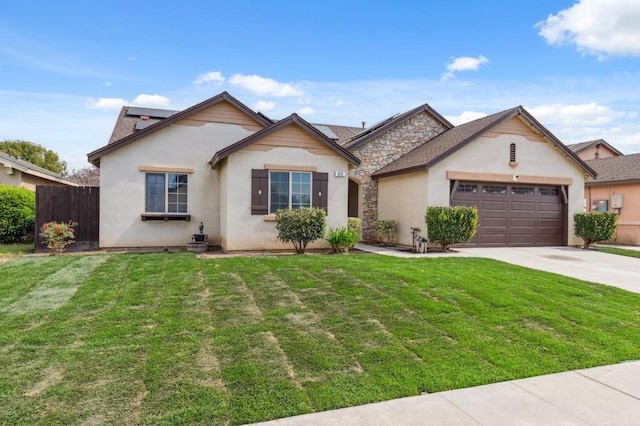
[403, 198]
[484, 156]
[240, 229]
[122, 193]
[24, 180]
[628, 231]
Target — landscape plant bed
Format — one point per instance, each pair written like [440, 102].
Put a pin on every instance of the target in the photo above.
[167, 338]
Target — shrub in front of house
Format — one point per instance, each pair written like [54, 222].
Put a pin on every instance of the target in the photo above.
[300, 226]
[17, 214]
[385, 231]
[341, 239]
[58, 235]
[355, 224]
[451, 225]
[595, 226]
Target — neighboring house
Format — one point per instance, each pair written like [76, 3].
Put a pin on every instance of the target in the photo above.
[526, 184]
[218, 163]
[593, 150]
[222, 164]
[617, 189]
[17, 172]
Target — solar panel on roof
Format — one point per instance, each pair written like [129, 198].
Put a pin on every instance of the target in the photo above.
[375, 126]
[327, 131]
[143, 124]
[150, 112]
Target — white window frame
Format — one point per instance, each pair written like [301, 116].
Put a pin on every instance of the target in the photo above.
[289, 190]
[166, 193]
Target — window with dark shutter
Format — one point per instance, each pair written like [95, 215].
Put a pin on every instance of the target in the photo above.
[259, 191]
[320, 190]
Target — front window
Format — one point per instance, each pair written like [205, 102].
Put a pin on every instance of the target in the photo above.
[166, 193]
[289, 190]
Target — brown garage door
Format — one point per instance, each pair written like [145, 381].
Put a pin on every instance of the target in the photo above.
[514, 214]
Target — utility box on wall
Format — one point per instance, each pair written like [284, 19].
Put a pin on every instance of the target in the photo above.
[616, 201]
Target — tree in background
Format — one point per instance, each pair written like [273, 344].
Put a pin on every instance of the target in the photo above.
[86, 176]
[35, 154]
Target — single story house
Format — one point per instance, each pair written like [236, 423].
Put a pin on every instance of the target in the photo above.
[21, 173]
[616, 188]
[220, 163]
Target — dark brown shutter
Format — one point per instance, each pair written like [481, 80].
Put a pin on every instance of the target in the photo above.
[259, 191]
[320, 190]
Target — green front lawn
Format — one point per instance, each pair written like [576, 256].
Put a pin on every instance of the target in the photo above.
[170, 339]
[622, 252]
[11, 250]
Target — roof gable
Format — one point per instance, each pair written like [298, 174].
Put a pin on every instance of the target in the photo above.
[391, 122]
[300, 126]
[579, 148]
[452, 140]
[195, 115]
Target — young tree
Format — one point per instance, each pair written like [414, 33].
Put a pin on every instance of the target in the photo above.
[86, 176]
[451, 225]
[595, 226]
[35, 154]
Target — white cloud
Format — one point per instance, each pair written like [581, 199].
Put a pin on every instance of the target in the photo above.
[465, 117]
[264, 86]
[263, 106]
[131, 58]
[214, 77]
[108, 83]
[106, 104]
[152, 101]
[596, 27]
[114, 104]
[463, 63]
[306, 111]
[578, 115]
[338, 103]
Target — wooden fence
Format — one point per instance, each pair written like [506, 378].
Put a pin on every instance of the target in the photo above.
[67, 203]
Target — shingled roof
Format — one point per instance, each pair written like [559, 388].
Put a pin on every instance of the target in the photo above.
[11, 162]
[367, 134]
[621, 169]
[581, 146]
[445, 144]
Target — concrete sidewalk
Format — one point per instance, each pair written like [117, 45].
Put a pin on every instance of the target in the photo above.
[596, 396]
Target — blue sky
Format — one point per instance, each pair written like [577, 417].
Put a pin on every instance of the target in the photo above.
[67, 67]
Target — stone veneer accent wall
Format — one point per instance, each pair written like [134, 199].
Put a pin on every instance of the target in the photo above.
[382, 150]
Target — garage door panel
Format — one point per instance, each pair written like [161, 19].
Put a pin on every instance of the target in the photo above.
[517, 206]
[518, 217]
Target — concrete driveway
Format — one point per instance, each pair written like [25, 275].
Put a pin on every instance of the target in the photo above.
[587, 265]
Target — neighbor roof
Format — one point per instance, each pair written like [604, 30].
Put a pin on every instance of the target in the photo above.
[9, 161]
[94, 157]
[445, 144]
[292, 119]
[621, 169]
[367, 134]
[578, 147]
[130, 117]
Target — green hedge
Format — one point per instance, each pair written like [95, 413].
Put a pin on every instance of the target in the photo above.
[385, 231]
[451, 225]
[17, 214]
[595, 226]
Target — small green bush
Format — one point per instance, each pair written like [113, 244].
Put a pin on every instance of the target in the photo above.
[300, 226]
[595, 226]
[341, 239]
[355, 224]
[17, 214]
[451, 225]
[385, 231]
